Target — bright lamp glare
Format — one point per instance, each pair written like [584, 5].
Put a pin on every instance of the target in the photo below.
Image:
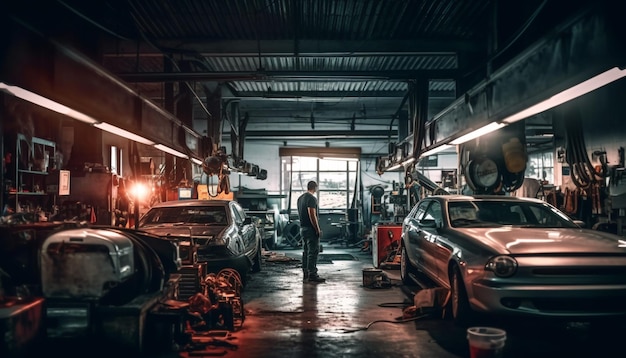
[139, 191]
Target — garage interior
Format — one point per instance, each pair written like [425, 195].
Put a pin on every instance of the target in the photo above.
[382, 102]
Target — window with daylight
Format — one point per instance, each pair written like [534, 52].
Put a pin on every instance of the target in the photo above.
[336, 178]
[541, 166]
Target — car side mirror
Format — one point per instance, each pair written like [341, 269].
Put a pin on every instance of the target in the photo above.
[247, 220]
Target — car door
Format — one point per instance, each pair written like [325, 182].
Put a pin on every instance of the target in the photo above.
[429, 223]
[417, 245]
[439, 246]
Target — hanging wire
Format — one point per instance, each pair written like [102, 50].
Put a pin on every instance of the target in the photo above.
[582, 172]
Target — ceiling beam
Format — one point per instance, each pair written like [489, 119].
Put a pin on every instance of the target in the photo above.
[277, 95]
[288, 75]
[304, 48]
[318, 134]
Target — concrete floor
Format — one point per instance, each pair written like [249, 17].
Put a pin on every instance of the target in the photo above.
[285, 317]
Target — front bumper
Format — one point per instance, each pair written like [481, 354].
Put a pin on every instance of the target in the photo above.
[549, 300]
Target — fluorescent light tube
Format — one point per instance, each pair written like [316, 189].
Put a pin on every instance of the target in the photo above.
[569, 94]
[123, 133]
[408, 161]
[394, 167]
[491, 127]
[438, 149]
[196, 161]
[46, 103]
[170, 151]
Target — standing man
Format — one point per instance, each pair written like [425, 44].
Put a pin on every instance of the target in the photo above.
[310, 231]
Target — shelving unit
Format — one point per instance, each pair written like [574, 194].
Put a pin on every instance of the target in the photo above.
[30, 178]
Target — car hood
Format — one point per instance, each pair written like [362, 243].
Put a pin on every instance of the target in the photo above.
[185, 230]
[516, 240]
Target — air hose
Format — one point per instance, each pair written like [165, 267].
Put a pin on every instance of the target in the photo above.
[582, 172]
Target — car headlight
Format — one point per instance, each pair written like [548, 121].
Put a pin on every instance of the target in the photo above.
[502, 266]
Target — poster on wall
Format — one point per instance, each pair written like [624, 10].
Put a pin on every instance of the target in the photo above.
[64, 182]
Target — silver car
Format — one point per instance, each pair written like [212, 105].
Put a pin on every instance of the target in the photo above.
[508, 255]
[221, 233]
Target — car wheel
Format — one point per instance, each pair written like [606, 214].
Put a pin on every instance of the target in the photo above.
[461, 311]
[406, 268]
[256, 265]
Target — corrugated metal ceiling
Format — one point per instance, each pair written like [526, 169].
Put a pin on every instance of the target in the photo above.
[365, 50]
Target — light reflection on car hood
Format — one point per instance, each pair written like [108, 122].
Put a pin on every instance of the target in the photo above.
[515, 240]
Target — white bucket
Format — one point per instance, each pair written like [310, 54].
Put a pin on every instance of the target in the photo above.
[486, 342]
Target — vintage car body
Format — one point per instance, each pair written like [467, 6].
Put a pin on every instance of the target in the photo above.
[518, 256]
[222, 233]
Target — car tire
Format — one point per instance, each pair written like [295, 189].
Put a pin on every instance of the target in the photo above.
[256, 265]
[459, 303]
[406, 268]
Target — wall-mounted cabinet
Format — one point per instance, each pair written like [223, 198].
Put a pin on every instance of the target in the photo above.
[32, 162]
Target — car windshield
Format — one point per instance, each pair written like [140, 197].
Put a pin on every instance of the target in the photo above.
[201, 215]
[486, 213]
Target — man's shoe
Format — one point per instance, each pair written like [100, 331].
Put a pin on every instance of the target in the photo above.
[316, 279]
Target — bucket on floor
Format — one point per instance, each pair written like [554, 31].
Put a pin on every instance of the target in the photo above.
[371, 275]
[486, 342]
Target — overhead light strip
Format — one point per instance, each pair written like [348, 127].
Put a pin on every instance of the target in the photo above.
[408, 161]
[196, 161]
[436, 150]
[171, 151]
[569, 94]
[491, 127]
[46, 103]
[123, 133]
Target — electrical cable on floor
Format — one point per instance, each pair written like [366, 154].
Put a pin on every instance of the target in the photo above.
[394, 304]
[385, 321]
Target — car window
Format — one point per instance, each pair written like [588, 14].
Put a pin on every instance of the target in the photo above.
[185, 215]
[543, 216]
[432, 213]
[421, 209]
[493, 213]
[462, 213]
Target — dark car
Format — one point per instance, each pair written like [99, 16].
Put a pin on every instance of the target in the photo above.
[509, 255]
[224, 236]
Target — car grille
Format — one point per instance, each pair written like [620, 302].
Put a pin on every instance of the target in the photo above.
[213, 252]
